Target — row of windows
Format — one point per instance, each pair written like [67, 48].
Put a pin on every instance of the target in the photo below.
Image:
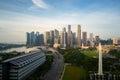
[21, 62]
[22, 72]
[26, 72]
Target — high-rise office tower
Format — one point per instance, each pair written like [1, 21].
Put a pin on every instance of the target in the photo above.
[74, 38]
[56, 37]
[37, 39]
[84, 38]
[46, 38]
[52, 37]
[32, 39]
[63, 38]
[28, 43]
[91, 40]
[79, 35]
[69, 36]
[97, 40]
[41, 39]
[71, 39]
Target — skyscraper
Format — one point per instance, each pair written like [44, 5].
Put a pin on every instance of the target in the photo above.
[34, 39]
[74, 38]
[91, 40]
[79, 35]
[46, 38]
[52, 37]
[63, 37]
[71, 39]
[56, 36]
[97, 40]
[30, 39]
[28, 43]
[69, 36]
[84, 38]
[40, 39]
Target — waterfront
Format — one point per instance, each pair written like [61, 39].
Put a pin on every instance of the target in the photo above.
[18, 49]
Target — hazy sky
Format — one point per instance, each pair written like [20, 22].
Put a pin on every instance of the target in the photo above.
[101, 17]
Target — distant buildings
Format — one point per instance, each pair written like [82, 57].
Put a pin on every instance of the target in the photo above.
[34, 39]
[67, 38]
[116, 41]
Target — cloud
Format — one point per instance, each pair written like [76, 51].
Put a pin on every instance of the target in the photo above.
[99, 23]
[40, 3]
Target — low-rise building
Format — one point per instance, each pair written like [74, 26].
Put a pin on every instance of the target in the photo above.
[20, 67]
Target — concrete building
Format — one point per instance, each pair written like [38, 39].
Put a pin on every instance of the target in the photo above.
[79, 36]
[19, 68]
[84, 38]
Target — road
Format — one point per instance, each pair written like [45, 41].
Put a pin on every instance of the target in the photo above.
[56, 68]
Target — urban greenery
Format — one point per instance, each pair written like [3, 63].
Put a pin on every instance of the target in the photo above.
[90, 53]
[78, 57]
[4, 56]
[74, 73]
[88, 59]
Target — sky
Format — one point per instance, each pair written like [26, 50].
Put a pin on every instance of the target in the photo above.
[100, 17]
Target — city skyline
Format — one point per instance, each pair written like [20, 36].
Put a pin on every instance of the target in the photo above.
[18, 17]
